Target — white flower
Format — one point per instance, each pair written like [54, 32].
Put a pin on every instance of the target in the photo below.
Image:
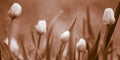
[108, 16]
[14, 45]
[81, 45]
[15, 10]
[65, 36]
[41, 26]
[6, 41]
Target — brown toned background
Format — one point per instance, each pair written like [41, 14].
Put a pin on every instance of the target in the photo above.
[34, 10]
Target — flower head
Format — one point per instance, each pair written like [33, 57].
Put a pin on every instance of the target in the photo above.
[65, 36]
[41, 26]
[81, 45]
[15, 10]
[14, 45]
[108, 16]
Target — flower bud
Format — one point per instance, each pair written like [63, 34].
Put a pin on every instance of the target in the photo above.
[6, 41]
[108, 16]
[81, 45]
[41, 26]
[14, 45]
[15, 10]
[65, 36]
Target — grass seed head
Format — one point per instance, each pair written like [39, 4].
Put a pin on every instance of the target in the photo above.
[108, 16]
[81, 45]
[41, 26]
[15, 10]
[65, 36]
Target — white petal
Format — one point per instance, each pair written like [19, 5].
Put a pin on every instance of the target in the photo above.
[14, 45]
[65, 36]
[81, 45]
[108, 16]
[41, 26]
[15, 10]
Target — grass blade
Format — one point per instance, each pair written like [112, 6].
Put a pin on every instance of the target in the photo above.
[71, 44]
[84, 28]
[90, 32]
[93, 53]
[54, 19]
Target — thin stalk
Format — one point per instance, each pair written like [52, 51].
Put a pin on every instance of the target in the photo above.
[33, 38]
[80, 55]
[51, 42]
[39, 39]
[75, 47]
[9, 33]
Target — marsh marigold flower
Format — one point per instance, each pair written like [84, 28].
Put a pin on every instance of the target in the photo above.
[81, 45]
[15, 10]
[41, 26]
[108, 16]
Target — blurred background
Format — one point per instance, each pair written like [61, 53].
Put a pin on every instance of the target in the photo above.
[34, 10]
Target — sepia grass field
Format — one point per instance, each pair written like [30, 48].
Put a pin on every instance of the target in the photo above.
[82, 18]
